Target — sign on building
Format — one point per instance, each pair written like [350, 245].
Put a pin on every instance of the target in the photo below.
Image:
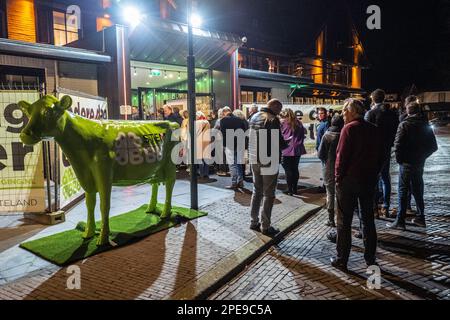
[21, 167]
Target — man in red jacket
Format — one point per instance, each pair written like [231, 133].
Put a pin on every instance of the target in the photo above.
[358, 162]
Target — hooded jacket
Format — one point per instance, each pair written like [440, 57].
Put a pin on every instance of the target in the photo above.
[268, 121]
[327, 153]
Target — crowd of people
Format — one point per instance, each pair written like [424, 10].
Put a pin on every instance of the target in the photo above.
[357, 151]
[355, 148]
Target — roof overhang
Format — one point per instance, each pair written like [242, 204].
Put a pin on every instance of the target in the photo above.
[271, 76]
[299, 85]
[47, 51]
[165, 42]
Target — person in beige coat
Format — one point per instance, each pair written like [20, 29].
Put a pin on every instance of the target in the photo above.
[202, 145]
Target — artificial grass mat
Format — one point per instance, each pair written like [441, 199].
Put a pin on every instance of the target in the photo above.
[69, 246]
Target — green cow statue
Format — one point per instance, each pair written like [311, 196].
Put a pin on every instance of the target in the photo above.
[105, 154]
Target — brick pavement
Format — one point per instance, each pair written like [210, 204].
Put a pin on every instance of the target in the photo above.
[415, 263]
[159, 266]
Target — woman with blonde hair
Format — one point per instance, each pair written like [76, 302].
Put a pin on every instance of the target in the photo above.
[293, 133]
[240, 114]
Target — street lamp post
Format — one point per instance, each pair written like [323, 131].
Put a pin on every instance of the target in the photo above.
[192, 108]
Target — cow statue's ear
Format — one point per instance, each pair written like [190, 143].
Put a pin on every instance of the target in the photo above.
[25, 107]
[65, 103]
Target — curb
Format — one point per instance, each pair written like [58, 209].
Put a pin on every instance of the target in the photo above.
[202, 287]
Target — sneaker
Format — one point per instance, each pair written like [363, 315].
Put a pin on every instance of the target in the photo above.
[270, 232]
[338, 264]
[232, 187]
[420, 222]
[385, 212]
[396, 226]
[256, 227]
[394, 212]
[332, 236]
[358, 235]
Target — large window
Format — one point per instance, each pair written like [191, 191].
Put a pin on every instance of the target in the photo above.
[65, 28]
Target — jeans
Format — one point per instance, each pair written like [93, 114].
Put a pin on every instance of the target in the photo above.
[410, 179]
[235, 161]
[385, 185]
[349, 192]
[264, 187]
[290, 165]
[203, 169]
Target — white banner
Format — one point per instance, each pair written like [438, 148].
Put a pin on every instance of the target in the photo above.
[21, 167]
[87, 107]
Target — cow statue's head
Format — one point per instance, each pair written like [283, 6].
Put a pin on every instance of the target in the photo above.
[44, 118]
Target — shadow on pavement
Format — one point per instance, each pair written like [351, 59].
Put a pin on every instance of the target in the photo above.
[188, 262]
[418, 249]
[307, 271]
[124, 273]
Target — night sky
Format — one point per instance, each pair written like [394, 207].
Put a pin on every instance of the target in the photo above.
[413, 46]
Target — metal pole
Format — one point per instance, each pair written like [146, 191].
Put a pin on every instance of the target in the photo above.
[191, 106]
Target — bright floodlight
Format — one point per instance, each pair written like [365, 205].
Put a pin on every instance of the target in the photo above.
[132, 16]
[196, 20]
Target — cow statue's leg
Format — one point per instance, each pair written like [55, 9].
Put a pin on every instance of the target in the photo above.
[105, 205]
[91, 198]
[170, 177]
[103, 182]
[154, 199]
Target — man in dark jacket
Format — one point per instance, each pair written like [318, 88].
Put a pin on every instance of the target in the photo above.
[265, 154]
[414, 143]
[172, 116]
[356, 170]
[387, 121]
[234, 150]
[402, 118]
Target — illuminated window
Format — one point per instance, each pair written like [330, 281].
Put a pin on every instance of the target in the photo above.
[247, 97]
[65, 28]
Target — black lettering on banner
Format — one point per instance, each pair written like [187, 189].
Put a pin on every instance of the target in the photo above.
[311, 131]
[3, 156]
[9, 116]
[83, 112]
[19, 151]
[312, 115]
